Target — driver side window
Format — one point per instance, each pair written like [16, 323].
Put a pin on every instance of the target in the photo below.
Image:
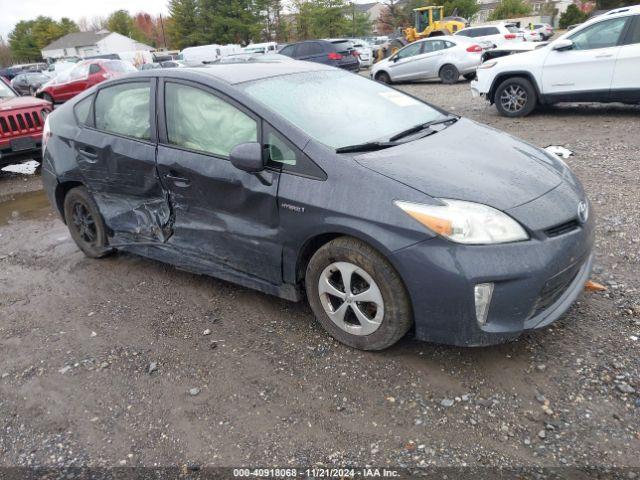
[601, 35]
[411, 50]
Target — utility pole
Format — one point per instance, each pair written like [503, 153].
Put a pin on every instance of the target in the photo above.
[164, 39]
[353, 21]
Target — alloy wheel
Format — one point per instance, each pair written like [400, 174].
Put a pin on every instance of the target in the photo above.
[84, 224]
[513, 98]
[351, 298]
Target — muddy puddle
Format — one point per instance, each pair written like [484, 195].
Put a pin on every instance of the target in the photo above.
[23, 206]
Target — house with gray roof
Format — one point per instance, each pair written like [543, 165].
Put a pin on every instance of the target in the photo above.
[85, 44]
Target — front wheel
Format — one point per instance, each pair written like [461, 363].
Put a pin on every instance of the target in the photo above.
[515, 97]
[383, 77]
[357, 295]
[85, 223]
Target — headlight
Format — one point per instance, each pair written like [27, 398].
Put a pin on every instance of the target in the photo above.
[488, 64]
[466, 222]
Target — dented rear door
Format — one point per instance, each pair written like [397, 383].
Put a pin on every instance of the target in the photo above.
[116, 156]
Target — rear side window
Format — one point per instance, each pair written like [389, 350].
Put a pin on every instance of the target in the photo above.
[124, 109]
[310, 48]
[95, 68]
[82, 111]
[201, 121]
[465, 33]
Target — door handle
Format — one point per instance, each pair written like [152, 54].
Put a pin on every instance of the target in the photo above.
[177, 180]
[88, 153]
[605, 55]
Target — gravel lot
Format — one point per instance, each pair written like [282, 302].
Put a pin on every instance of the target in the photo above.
[266, 386]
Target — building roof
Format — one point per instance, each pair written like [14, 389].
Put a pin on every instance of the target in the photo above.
[365, 7]
[77, 39]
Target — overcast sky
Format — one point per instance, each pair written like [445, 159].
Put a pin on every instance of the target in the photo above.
[12, 11]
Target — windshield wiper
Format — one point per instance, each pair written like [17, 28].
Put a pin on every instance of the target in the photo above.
[422, 126]
[366, 147]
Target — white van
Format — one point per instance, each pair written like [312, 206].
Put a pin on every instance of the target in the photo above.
[207, 53]
[258, 48]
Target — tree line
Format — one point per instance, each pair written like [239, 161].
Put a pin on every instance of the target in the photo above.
[199, 22]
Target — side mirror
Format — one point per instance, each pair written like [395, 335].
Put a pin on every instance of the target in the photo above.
[247, 157]
[564, 44]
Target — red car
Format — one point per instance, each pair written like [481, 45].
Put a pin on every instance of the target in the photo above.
[84, 75]
[21, 122]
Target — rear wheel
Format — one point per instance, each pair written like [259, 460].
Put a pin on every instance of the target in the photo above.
[357, 295]
[383, 77]
[515, 97]
[449, 74]
[85, 223]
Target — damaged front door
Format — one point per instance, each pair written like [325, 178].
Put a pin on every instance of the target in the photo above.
[116, 156]
[225, 218]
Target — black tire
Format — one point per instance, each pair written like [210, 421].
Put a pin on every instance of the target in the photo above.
[85, 223]
[396, 317]
[449, 74]
[383, 77]
[470, 76]
[515, 97]
[48, 98]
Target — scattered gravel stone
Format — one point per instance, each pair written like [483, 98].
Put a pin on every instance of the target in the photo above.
[194, 391]
[153, 366]
[447, 402]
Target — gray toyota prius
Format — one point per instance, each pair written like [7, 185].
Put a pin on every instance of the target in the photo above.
[302, 180]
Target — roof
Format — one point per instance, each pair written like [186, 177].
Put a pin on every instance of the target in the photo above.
[365, 7]
[234, 73]
[77, 39]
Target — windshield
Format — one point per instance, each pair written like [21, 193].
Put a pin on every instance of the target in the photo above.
[513, 28]
[339, 108]
[5, 91]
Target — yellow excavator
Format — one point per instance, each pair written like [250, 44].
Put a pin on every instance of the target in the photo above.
[428, 22]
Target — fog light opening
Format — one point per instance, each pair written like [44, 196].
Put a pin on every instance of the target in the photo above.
[482, 295]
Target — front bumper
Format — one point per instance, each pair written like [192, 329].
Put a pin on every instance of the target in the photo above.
[9, 153]
[535, 282]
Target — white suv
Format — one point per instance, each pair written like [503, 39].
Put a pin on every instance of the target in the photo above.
[599, 61]
[489, 36]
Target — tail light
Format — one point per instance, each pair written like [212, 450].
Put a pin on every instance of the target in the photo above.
[474, 49]
[334, 56]
[510, 36]
[46, 134]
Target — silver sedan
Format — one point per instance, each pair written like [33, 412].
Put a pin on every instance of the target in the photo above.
[445, 57]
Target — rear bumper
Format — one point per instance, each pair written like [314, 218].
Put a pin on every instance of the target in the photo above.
[535, 282]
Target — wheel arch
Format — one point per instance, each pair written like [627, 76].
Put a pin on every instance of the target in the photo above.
[501, 77]
[310, 246]
[60, 193]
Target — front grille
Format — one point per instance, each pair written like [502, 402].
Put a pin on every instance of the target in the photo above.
[555, 288]
[17, 124]
[562, 228]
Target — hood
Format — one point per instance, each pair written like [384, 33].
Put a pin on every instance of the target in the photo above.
[473, 162]
[21, 102]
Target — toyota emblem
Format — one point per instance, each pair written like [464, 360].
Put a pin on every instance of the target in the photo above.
[583, 211]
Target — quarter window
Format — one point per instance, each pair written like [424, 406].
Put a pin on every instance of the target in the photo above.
[83, 111]
[634, 33]
[601, 35]
[124, 109]
[201, 121]
[279, 151]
